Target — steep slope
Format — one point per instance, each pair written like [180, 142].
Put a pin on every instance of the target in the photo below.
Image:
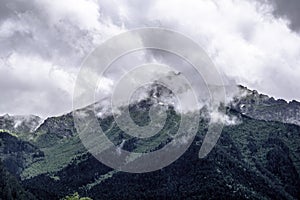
[53, 129]
[10, 187]
[252, 160]
[21, 125]
[255, 158]
[260, 106]
[17, 154]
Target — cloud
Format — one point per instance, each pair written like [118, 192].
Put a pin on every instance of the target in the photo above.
[43, 43]
[61, 31]
[219, 117]
[30, 84]
[243, 38]
[288, 9]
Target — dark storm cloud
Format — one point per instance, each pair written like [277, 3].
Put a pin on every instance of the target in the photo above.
[289, 9]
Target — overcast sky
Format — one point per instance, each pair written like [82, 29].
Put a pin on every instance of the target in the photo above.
[43, 43]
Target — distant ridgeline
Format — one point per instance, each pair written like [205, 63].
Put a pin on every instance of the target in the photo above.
[260, 106]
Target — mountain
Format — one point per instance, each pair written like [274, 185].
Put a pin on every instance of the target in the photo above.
[256, 157]
[10, 187]
[20, 124]
[17, 154]
[252, 160]
[260, 106]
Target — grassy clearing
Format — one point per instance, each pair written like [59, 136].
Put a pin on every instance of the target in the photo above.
[56, 157]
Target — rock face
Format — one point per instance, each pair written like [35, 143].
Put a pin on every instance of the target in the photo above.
[53, 129]
[260, 106]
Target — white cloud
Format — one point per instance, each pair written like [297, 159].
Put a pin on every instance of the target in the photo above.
[82, 12]
[44, 42]
[30, 85]
[219, 117]
[243, 39]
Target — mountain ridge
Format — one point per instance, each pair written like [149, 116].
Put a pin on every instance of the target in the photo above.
[256, 158]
